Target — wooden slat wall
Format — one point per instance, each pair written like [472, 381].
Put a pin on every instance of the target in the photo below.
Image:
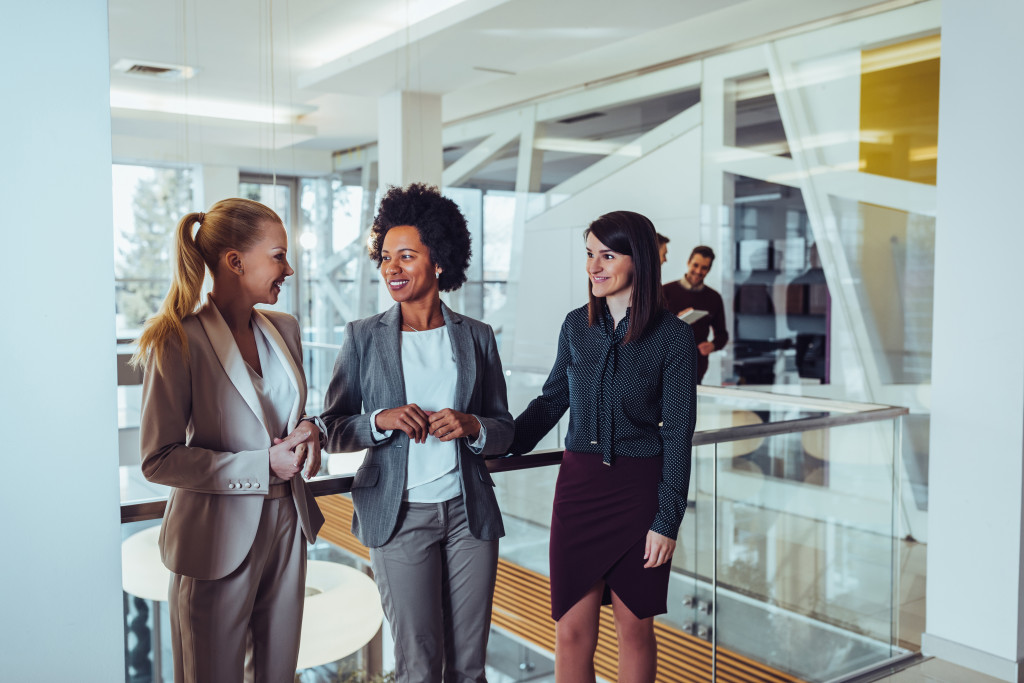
[521, 607]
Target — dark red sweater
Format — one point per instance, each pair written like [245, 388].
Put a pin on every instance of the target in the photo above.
[678, 298]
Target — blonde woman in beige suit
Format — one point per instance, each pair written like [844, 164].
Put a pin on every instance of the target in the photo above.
[223, 423]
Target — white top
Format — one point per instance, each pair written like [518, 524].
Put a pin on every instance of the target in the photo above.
[430, 374]
[274, 388]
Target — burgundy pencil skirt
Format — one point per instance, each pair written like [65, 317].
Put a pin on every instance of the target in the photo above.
[599, 530]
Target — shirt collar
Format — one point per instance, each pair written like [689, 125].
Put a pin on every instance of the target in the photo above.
[608, 323]
[686, 285]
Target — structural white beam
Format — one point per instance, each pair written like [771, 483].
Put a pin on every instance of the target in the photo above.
[478, 157]
[766, 167]
[413, 29]
[662, 82]
[835, 261]
[678, 125]
[474, 129]
[875, 189]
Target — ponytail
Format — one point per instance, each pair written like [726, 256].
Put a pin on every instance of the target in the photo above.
[181, 299]
[229, 224]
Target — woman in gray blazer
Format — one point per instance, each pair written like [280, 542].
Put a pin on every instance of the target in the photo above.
[223, 424]
[422, 389]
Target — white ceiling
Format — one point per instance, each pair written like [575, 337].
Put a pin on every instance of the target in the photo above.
[317, 67]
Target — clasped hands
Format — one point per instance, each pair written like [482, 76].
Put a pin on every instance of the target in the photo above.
[446, 425]
[288, 454]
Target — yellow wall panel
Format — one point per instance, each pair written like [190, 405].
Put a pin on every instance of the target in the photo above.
[899, 110]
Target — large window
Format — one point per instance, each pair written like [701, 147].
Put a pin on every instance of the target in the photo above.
[148, 203]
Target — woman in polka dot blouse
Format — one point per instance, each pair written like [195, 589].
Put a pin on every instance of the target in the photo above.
[626, 371]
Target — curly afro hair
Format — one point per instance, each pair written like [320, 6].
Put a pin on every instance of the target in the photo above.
[441, 225]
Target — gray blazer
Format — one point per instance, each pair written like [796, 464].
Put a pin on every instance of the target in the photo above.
[368, 376]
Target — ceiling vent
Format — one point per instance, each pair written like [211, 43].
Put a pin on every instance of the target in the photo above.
[583, 117]
[162, 72]
[492, 70]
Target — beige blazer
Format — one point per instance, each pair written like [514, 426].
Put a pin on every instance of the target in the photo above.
[203, 432]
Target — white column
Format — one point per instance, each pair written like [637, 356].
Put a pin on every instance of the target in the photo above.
[218, 182]
[408, 146]
[975, 586]
[60, 579]
[409, 138]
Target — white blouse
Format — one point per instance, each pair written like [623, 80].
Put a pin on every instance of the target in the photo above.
[430, 372]
[274, 388]
[430, 375]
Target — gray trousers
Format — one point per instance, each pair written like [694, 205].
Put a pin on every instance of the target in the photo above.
[436, 584]
[257, 607]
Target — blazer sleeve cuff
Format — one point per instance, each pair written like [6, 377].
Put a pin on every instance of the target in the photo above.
[477, 446]
[378, 435]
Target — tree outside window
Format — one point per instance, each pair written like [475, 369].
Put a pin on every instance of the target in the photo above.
[148, 203]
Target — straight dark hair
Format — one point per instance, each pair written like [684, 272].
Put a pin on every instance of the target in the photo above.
[632, 234]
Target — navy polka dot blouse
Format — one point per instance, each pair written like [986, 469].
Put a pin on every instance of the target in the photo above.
[617, 395]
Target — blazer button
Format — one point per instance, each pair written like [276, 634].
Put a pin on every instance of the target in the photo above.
[257, 484]
[231, 485]
[248, 484]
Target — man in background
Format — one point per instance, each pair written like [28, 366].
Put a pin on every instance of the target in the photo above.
[689, 296]
[662, 247]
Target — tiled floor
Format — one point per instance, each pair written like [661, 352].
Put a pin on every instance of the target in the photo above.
[937, 671]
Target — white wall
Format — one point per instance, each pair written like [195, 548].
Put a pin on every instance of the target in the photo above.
[663, 185]
[60, 594]
[975, 475]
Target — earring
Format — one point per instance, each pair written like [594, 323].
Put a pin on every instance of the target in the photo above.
[241, 271]
[437, 274]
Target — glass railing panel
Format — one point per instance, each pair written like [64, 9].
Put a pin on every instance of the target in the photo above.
[806, 550]
[526, 498]
[794, 557]
[147, 634]
[685, 631]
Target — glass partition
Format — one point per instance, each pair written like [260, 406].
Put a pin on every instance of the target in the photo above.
[805, 563]
[788, 561]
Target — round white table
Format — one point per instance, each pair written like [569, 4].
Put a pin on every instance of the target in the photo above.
[342, 611]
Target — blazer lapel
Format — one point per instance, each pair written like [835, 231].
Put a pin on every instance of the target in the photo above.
[387, 341]
[230, 357]
[281, 350]
[462, 345]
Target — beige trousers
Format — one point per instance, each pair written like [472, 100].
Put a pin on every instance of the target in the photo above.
[210, 620]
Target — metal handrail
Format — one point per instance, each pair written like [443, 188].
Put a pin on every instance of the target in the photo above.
[138, 511]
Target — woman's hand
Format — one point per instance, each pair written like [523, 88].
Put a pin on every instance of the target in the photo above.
[659, 549]
[410, 419]
[308, 431]
[449, 424]
[287, 454]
